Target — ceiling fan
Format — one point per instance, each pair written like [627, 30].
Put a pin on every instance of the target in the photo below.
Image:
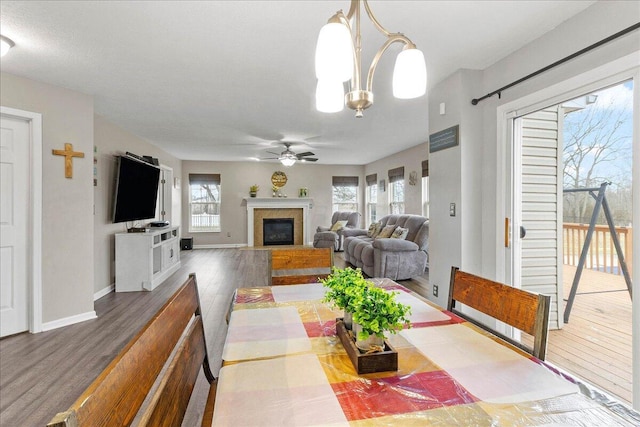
[288, 157]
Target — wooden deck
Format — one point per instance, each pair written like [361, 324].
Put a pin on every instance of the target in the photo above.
[596, 343]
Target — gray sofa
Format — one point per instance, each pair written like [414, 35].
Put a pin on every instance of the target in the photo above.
[397, 259]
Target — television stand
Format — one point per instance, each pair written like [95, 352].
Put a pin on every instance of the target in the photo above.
[145, 260]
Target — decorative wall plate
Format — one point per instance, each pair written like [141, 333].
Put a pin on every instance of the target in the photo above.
[278, 179]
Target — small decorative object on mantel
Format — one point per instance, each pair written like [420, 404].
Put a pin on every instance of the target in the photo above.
[68, 154]
[253, 190]
[374, 311]
[302, 192]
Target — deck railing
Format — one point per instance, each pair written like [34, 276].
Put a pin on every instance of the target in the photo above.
[602, 254]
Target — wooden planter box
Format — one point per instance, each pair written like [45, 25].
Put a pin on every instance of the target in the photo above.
[386, 360]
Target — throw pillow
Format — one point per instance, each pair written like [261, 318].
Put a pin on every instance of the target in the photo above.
[400, 233]
[386, 232]
[338, 225]
[374, 229]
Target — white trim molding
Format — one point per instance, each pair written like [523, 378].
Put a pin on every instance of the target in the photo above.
[66, 321]
[278, 203]
[35, 212]
[104, 291]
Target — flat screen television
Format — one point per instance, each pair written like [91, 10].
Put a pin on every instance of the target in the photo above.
[136, 190]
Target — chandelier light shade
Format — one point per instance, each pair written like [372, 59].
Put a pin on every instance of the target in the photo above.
[288, 161]
[329, 96]
[5, 45]
[409, 75]
[338, 59]
[334, 53]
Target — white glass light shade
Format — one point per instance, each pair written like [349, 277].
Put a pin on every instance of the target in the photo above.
[329, 96]
[409, 75]
[334, 53]
[286, 161]
[5, 45]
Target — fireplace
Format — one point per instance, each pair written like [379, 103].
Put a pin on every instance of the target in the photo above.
[277, 231]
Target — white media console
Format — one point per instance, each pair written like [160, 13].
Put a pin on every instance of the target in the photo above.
[145, 260]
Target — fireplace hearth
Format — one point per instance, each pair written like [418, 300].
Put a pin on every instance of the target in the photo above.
[277, 231]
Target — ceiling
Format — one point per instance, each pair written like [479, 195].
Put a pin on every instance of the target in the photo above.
[228, 80]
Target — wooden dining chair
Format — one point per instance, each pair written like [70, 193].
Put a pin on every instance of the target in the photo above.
[521, 309]
[290, 266]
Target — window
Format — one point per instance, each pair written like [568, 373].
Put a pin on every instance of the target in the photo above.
[372, 198]
[204, 202]
[345, 193]
[396, 191]
[425, 188]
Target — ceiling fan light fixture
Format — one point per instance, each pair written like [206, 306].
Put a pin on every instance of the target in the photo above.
[288, 161]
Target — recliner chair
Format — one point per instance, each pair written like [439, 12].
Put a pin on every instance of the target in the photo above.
[331, 237]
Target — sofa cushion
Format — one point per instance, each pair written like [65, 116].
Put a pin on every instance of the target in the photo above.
[400, 233]
[374, 229]
[338, 225]
[386, 232]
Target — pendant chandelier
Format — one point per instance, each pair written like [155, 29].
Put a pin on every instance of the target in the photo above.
[338, 59]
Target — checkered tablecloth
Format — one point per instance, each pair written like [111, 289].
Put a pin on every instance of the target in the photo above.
[285, 366]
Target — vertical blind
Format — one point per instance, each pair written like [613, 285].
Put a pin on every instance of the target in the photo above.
[396, 174]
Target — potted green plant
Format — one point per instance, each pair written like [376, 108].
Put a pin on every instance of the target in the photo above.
[376, 311]
[253, 190]
[344, 286]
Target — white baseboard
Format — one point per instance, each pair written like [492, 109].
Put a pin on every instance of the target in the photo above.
[104, 291]
[223, 246]
[66, 321]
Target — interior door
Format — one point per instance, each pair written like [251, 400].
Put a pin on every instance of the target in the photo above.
[14, 191]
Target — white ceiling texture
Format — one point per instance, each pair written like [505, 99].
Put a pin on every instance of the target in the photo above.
[228, 80]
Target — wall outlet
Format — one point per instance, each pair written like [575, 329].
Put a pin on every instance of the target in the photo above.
[435, 290]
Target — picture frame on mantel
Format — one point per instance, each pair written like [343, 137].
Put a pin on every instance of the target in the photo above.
[381, 185]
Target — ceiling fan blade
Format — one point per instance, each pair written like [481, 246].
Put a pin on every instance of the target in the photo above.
[309, 159]
[275, 154]
[306, 153]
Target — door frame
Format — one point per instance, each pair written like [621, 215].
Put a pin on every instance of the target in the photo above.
[625, 68]
[34, 221]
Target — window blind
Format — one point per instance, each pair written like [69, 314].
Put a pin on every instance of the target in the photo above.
[345, 181]
[204, 179]
[372, 179]
[425, 168]
[396, 174]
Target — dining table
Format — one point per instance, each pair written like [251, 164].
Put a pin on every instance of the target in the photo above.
[284, 365]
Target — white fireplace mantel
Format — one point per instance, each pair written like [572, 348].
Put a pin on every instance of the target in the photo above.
[279, 203]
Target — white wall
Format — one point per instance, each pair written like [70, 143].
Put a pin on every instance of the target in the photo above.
[110, 141]
[235, 179]
[67, 203]
[481, 187]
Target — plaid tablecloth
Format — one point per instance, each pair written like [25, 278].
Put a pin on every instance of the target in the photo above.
[285, 366]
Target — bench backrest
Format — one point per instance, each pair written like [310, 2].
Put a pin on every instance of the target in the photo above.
[521, 309]
[115, 397]
[289, 266]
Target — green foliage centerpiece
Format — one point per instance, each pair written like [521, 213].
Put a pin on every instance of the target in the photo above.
[374, 310]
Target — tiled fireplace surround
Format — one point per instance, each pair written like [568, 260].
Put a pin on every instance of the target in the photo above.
[296, 208]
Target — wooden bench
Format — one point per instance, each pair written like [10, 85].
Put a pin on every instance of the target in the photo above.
[117, 394]
[523, 310]
[289, 266]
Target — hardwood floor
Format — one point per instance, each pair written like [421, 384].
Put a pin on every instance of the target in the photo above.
[42, 374]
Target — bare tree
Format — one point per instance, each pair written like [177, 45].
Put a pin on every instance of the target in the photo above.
[597, 148]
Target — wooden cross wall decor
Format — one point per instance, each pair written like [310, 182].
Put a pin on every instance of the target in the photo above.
[68, 154]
